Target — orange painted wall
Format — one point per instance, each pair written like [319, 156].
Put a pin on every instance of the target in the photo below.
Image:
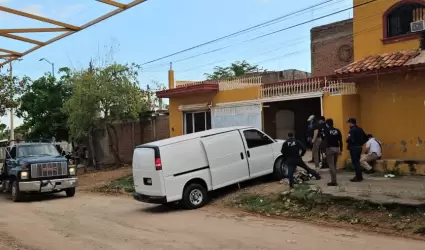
[368, 30]
[393, 109]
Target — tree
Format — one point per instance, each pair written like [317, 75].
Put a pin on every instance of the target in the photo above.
[41, 107]
[3, 131]
[102, 96]
[9, 90]
[235, 69]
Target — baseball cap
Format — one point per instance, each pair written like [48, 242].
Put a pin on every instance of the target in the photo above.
[310, 118]
[352, 120]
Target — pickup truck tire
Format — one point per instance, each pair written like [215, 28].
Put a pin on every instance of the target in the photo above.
[280, 170]
[70, 192]
[16, 193]
[194, 196]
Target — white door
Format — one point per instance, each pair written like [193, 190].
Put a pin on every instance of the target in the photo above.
[285, 123]
[227, 159]
[247, 115]
[259, 148]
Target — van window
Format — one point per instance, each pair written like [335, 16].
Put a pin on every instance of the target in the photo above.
[255, 138]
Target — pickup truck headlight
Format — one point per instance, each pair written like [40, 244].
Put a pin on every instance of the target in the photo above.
[24, 175]
[71, 171]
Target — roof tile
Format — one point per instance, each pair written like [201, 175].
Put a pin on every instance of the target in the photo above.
[376, 62]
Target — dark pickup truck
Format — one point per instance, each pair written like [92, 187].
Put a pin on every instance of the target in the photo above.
[36, 168]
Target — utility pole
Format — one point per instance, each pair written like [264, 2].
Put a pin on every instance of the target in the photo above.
[12, 126]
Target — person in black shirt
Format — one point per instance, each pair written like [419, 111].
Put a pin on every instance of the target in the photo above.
[319, 130]
[291, 154]
[333, 144]
[355, 140]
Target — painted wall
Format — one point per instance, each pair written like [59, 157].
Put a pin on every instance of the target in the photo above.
[393, 109]
[237, 95]
[340, 108]
[368, 30]
[176, 116]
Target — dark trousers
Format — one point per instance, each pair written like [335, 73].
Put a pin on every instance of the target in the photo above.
[292, 165]
[355, 153]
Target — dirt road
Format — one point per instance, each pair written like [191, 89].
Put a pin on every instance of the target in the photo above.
[102, 222]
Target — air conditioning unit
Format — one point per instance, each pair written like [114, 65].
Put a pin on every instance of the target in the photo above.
[417, 26]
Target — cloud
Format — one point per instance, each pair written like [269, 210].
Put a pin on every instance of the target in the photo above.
[35, 9]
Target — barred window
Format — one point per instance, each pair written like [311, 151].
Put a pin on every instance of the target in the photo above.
[399, 19]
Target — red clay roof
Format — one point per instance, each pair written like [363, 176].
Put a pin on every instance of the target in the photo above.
[188, 90]
[377, 62]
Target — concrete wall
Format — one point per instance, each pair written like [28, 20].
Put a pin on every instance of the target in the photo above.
[331, 47]
[130, 135]
[392, 108]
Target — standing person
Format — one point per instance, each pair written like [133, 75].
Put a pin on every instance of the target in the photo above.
[333, 146]
[373, 152]
[310, 134]
[291, 154]
[319, 130]
[355, 140]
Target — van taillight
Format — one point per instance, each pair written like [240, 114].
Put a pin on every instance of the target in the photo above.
[158, 164]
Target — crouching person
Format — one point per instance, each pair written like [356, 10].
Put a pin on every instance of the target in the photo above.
[293, 151]
[373, 153]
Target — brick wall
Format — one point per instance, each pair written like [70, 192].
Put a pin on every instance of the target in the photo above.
[129, 136]
[331, 47]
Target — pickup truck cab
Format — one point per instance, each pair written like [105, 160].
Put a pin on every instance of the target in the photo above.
[185, 168]
[36, 168]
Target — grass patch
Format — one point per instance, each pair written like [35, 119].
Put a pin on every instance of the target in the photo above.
[309, 203]
[121, 185]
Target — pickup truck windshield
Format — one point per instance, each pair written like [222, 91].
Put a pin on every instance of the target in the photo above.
[37, 150]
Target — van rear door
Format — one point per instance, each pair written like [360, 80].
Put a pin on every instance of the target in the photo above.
[226, 158]
[147, 171]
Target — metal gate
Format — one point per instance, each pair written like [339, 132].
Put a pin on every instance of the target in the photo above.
[228, 116]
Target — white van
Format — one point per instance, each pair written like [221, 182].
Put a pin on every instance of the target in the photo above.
[185, 168]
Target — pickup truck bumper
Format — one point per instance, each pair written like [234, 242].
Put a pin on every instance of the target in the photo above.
[48, 185]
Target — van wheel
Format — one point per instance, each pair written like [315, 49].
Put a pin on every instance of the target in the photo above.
[280, 170]
[194, 196]
[16, 194]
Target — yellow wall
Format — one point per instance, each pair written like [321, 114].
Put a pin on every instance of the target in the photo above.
[368, 30]
[340, 108]
[176, 116]
[393, 110]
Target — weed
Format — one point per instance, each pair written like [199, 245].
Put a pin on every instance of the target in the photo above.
[125, 184]
[420, 230]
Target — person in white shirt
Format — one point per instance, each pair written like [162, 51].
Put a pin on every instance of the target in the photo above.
[373, 152]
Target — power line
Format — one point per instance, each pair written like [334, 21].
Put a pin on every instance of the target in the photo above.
[280, 57]
[272, 33]
[236, 33]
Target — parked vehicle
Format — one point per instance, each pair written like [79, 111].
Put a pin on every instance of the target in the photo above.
[185, 168]
[36, 168]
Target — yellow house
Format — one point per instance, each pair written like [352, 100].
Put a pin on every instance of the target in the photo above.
[384, 89]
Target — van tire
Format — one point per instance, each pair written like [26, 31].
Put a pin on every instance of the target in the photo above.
[194, 196]
[280, 170]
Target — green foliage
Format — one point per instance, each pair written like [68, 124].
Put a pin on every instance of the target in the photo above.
[9, 91]
[103, 95]
[41, 107]
[235, 69]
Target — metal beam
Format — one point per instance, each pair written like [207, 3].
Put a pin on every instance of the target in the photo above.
[39, 18]
[113, 3]
[7, 56]
[23, 39]
[32, 30]
[85, 26]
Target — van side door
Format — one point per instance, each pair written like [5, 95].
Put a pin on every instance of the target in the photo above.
[259, 150]
[226, 158]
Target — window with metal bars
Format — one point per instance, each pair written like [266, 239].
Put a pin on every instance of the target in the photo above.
[399, 19]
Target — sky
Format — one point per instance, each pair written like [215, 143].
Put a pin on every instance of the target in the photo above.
[157, 28]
